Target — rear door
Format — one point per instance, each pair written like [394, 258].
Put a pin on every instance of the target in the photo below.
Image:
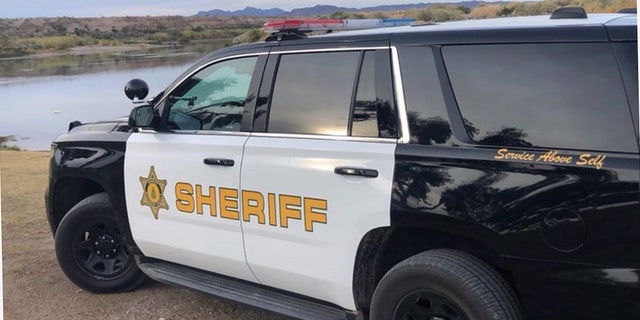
[318, 176]
[182, 181]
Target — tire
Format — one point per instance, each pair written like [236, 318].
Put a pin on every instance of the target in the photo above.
[91, 251]
[444, 284]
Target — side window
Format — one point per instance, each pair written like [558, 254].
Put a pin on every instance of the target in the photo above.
[213, 98]
[314, 94]
[566, 96]
[373, 113]
[426, 111]
[365, 107]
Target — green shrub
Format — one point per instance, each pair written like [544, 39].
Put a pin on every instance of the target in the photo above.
[439, 13]
[4, 143]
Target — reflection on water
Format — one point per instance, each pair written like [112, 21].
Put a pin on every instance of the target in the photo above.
[40, 96]
[118, 58]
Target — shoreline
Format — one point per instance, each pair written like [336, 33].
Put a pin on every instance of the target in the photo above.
[111, 49]
[87, 50]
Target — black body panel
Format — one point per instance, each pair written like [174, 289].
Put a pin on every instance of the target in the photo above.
[566, 234]
[560, 229]
[85, 163]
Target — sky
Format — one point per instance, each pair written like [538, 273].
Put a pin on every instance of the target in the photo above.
[102, 8]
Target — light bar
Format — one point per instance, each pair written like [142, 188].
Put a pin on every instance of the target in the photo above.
[309, 25]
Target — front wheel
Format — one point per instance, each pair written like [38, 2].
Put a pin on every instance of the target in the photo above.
[91, 251]
[444, 285]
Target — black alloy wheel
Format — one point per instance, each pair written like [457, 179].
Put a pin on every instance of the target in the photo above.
[428, 305]
[98, 249]
[91, 250]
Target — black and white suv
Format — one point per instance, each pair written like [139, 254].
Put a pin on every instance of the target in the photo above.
[481, 169]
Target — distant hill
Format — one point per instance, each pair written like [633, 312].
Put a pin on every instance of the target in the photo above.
[327, 9]
[248, 11]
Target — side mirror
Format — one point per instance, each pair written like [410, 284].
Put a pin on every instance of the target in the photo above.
[141, 117]
[136, 89]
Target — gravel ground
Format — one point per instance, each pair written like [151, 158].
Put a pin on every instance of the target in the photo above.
[36, 288]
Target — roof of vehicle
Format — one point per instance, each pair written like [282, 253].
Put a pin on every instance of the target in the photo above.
[596, 19]
[516, 29]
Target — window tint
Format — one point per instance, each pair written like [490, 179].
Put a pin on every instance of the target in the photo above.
[426, 111]
[551, 95]
[313, 93]
[213, 98]
[374, 114]
[365, 108]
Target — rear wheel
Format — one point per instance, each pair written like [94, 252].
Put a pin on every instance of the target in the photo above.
[91, 251]
[444, 285]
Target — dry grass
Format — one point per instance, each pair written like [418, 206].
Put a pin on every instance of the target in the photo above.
[36, 288]
[24, 177]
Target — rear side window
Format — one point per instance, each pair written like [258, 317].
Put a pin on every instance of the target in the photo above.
[312, 93]
[567, 96]
[426, 110]
[364, 108]
[333, 93]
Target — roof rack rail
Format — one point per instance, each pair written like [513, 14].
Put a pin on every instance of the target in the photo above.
[628, 10]
[289, 34]
[569, 13]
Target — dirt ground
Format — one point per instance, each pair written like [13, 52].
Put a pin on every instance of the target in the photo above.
[36, 288]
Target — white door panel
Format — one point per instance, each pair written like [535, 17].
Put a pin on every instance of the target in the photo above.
[185, 229]
[308, 255]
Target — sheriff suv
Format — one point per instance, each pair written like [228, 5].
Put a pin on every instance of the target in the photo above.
[481, 169]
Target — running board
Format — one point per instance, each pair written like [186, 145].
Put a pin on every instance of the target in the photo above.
[242, 292]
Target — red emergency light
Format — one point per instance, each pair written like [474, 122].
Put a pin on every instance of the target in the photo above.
[302, 25]
[310, 25]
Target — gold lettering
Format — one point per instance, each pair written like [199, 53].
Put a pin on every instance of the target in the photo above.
[588, 159]
[184, 197]
[599, 161]
[546, 156]
[584, 158]
[280, 208]
[229, 203]
[312, 212]
[500, 154]
[552, 156]
[272, 209]
[505, 154]
[252, 205]
[209, 200]
[288, 209]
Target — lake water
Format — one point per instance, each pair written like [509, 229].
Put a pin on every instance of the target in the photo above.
[40, 96]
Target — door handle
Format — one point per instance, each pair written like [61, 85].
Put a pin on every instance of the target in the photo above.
[363, 172]
[219, 162]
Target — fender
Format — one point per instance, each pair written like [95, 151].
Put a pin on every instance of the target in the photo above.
[83, 164]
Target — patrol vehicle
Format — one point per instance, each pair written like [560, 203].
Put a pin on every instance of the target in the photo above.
[469, 170]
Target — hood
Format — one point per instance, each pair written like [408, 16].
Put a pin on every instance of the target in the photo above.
[118, 124]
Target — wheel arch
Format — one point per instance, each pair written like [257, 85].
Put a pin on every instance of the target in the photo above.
[66, 193]
[382, 248]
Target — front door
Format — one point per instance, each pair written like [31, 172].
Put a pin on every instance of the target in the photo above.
[182, 181]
